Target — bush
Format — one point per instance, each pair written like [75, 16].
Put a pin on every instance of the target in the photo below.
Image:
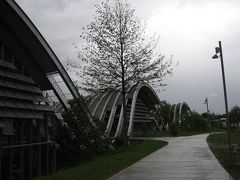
[78, 138]
[234, 116]
[199, 123]
[173, 129]
[162, 114]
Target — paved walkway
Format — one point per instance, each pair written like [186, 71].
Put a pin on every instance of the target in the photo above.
[184, 158]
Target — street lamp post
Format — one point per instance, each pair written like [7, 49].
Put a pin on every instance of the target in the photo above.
[206, 102]
[219, 50]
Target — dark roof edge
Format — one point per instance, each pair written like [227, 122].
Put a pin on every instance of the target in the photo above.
[46, 46]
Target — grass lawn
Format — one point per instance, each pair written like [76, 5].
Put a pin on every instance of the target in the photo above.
[108, 165]
[218, 145]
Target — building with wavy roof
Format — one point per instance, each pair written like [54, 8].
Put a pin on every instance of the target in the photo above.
[28, 67]
[140, 100]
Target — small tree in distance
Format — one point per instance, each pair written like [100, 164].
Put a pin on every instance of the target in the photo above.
[234, 115]
[163, 114]
[116, 53]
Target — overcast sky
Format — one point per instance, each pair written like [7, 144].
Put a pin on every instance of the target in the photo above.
[189, 30]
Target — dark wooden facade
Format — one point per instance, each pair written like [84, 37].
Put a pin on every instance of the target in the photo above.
[27, 65]
[25, 150]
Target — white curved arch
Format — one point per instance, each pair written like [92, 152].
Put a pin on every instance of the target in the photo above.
[114, 97]
[105, 106]
[152, 90]
[104, 95]
[180, 110]
[95, 97]
[120, 121]
[174, 113]
[111, 117]
[180, 113]
[134, 99]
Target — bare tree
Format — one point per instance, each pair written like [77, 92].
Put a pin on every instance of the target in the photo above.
[116, 53]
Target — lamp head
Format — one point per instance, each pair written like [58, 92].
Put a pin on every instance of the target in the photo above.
[215, 56]
[217, 50]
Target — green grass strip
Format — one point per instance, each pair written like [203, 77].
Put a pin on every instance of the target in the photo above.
[108, 165]
[219, 145]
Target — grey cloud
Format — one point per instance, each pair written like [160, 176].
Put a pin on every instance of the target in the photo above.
[197, 76]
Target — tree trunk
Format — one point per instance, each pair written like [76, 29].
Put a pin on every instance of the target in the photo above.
[125, 135]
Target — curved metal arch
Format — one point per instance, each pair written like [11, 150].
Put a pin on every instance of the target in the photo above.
[114, 98]
[134, 99]
[120, 121]
[111, 117]
[180, 110]
[105, 106]
[95, 108]
[174, 112]
[94, 98]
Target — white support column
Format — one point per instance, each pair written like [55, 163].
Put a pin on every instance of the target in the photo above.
[134, 99]
[105, 106]
[95, 97]
[120, 122]
[103, 96]
[180, 114]
[159, 127]
[112, 115]
[174, 113]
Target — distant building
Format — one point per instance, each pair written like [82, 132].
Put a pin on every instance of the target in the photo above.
[223, 122]
[27, 65]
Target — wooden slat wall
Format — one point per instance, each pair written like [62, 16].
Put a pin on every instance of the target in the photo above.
[22, 102]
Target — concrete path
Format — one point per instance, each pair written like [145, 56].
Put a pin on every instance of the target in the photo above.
[184, 158]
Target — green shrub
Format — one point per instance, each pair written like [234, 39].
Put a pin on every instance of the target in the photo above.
[162, 113]
[199, 123]
[234, 116]
[78, 138]
[173, 129]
